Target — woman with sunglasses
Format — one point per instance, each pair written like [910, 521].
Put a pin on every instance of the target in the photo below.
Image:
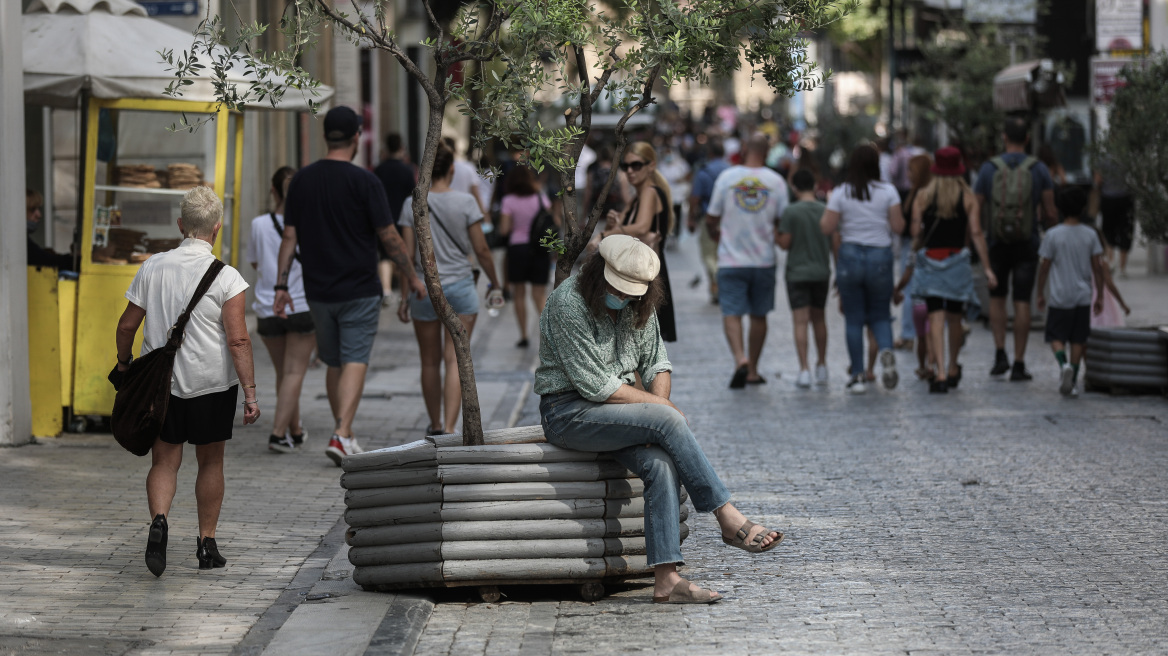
[649, 218]
[599, 334]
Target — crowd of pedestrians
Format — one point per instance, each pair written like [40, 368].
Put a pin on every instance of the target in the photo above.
[901, 226]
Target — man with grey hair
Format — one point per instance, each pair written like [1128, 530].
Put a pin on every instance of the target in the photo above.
[337, 212]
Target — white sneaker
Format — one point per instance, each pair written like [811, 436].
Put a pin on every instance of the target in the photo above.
[1074, 391]
[804, 380]
[339, 447]
[821, 375]
[857, 386]
[354, 447]
[888, 374]
[1066, 379]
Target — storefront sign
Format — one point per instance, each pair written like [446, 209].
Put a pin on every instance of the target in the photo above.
[1105, 80]
[1001, 11]
[1119, 25]
[170, 7]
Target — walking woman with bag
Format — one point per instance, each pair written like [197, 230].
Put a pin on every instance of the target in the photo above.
[290, 340]
[456, 227]
[528, 263]
[203, 300]
[944, 221]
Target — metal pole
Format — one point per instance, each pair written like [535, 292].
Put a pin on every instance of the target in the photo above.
[15, 402]
[891, 65]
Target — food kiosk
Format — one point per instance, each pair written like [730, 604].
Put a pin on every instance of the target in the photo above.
[136, 164]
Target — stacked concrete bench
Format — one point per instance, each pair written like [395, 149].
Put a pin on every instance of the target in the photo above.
[1127, 359]
[517, 510]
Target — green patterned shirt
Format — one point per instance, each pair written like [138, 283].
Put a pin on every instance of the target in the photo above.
[578, 352]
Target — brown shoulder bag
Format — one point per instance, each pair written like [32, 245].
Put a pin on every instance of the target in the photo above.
[143, 391]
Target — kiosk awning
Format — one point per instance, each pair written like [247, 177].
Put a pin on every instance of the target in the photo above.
[1029, 86]
[110, 48]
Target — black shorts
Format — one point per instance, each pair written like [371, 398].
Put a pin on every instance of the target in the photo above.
[1071, 325]
[937, 304]
[1119, 221]
[301, 322]
[203, 419]
[528, 264]
[801, 294]
[1016, 262]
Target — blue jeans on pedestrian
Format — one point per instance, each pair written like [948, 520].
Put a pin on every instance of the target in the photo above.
[864, 277]
[908, 329]
[654, 442]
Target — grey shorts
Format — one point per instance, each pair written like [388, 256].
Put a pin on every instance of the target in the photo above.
[345, 330]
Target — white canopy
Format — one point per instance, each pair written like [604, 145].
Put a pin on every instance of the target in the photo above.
[110, 48]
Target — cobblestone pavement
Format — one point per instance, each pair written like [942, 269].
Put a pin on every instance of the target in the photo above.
[74, 518]
[1001, 518]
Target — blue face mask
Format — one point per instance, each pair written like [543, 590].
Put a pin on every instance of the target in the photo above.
[31, 226]
[613, 302]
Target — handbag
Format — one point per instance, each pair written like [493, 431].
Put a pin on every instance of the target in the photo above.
[143, 390]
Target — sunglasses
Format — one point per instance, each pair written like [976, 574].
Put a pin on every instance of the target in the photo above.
[632, 166]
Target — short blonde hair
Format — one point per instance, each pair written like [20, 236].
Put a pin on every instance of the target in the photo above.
[201, 212]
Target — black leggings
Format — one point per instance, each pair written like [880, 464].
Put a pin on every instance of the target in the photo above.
[936, 304]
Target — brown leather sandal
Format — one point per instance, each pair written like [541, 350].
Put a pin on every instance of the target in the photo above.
[738, 539]
[683, 594]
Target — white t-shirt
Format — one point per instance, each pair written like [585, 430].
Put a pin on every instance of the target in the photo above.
[163, 287]
[263, 250]
[864, 222]
[750, 202]
[466, 177]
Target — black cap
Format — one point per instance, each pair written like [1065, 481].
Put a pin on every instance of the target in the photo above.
[341, 123]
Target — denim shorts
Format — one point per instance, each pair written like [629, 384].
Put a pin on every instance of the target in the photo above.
[746, 290]
[345, 330]
[461, 294]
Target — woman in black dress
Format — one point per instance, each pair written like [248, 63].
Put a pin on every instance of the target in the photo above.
[648, 218]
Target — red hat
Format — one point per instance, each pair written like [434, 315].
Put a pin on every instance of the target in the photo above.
[948, 161]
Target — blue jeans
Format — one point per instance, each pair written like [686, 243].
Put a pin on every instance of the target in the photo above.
[908, 330]
[650, 440]
[864, 277]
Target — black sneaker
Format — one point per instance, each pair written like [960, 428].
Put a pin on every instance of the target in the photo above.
[298, 438]
[1019, 372]
[280, 444]
[1001, 364]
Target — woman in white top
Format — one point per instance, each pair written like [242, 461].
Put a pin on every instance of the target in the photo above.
[866, 212]
[456, 229]
[214, 359]
[290, 340]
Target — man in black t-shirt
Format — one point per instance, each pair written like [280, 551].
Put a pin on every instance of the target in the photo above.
[399, 179]
[337, 212]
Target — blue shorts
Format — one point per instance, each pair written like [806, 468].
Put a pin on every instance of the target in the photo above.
[746, 290]
[345, 330]
[461, 295]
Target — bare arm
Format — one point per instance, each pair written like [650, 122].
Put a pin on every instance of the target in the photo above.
[783, 240]
[1097, 272]
[128, 327]
[896, 219]
[630, 394]
[829, 222]
[1109, 282]
[1043, 273]
[646, 209]
[695, 210]
[662, 385]
[505, 223]
[977, 236]
[283, 300]
[239, 342]
[483, 252]
[714, 226]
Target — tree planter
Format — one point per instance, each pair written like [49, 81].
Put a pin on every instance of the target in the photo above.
[1127, 359]
[516, 510]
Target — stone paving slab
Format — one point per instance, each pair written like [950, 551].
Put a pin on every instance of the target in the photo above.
[1001, 518]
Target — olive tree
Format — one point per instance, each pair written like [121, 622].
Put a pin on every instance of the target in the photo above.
[1137, 142]
[522, 48]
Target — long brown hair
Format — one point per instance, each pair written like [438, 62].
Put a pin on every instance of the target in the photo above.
[947, 192]
[863, 170]
[647, 152]
[592, 286]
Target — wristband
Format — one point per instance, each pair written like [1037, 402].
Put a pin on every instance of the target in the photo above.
[129, 359]
[280, 288]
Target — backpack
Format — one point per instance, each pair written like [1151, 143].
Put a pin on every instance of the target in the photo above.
[1012, 201]
[541, 223]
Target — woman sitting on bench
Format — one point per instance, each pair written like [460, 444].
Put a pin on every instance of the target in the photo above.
[598, 335]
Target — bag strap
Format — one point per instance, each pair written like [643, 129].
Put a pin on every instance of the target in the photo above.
[280, 231]
[180, 326]
[438, 220]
